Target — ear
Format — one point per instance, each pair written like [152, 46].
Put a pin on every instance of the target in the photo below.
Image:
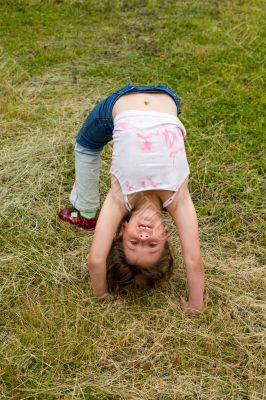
[167, 233]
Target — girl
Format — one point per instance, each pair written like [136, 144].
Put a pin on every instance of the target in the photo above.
[149, 173]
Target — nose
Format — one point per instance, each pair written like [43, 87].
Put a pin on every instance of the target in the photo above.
[144, 235]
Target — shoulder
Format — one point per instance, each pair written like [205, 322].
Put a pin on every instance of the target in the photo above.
[118, 196]
[116, 191]
[109, 218]
[181, 195]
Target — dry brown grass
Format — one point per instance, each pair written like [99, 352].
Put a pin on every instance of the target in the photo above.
[57, 340]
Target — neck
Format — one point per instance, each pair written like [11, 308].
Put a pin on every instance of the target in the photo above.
[148, 200]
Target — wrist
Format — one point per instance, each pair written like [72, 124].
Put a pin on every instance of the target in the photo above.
[198, 303]
[195, 305]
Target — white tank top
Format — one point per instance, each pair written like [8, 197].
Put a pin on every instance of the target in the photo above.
[148, 152]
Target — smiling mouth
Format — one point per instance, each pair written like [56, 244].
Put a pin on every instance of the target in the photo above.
[147, 227]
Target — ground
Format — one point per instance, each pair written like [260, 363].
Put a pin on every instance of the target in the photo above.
[58, 341]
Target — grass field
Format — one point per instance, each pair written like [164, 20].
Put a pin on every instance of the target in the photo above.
[58, 341]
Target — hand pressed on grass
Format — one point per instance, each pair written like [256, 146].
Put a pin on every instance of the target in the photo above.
[108, 296]
[192, 309]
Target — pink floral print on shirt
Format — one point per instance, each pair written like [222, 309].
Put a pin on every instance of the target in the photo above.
[152, 181]
[146, 145]
[129, 186]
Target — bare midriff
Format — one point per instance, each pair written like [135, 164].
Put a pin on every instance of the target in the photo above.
[145, 101]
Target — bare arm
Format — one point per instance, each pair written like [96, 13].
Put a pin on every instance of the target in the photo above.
[110, 216]
[184, 215]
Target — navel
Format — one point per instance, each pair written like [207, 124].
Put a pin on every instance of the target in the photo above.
[146, 102]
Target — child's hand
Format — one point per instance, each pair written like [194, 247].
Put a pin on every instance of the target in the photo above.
[107, 296]
[192, 309]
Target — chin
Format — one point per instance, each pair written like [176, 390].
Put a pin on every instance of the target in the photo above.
[148, 217]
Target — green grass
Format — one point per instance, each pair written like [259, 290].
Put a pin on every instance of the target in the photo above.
[57, 58]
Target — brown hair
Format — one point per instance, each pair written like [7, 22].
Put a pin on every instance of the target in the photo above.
[120, 274]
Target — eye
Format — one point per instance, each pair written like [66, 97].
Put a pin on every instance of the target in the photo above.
[152, 244]
[134, 242]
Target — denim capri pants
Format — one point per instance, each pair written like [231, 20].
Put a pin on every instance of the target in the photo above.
[97, 129]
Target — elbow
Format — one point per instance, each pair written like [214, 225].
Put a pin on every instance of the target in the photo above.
[91, 262]
[94, 262]
[195, 264]
[97, 272]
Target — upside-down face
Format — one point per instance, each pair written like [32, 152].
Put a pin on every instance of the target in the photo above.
[144, 237]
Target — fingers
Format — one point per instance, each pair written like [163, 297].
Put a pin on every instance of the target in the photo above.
[107, 296]
[187, 308]
[183, 304]
[205, 298]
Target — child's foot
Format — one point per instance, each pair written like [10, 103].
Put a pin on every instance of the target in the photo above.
[81, 219]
